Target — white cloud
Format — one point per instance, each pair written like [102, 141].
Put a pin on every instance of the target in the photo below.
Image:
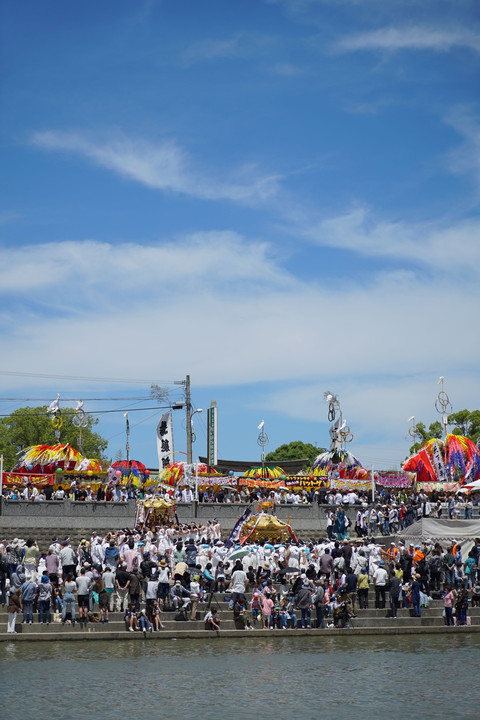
[394, 39]
[286, 69]
[466, 158]
[445, 247]
[101, 269]
[164, 166]
[243, 316]
[241, 45]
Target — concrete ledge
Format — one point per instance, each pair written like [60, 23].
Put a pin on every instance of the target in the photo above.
[206, 634]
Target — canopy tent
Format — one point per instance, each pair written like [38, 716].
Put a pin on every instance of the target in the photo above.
[472, 486]
[445, 531]
[453, 458]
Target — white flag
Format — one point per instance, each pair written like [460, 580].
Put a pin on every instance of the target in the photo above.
[439, 464]
[165, 441]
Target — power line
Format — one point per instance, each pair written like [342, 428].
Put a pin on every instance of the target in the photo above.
[88, 379]
[102, 412]
[75, 399]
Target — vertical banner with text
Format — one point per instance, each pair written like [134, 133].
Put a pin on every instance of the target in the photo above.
[212, 450]
[165, 441]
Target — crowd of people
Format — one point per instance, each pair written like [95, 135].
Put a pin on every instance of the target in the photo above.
[268, 584]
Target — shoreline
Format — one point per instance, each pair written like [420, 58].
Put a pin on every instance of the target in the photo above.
[66, 636]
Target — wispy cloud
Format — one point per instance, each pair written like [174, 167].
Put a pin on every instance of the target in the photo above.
[444, 247]
[240, 45]
[106, 269]
[6, 218]
[221, 287]
[164, 166]
[416, 37]
[286, 69]
[466, 158]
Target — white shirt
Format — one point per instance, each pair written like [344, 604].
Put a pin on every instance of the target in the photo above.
[239, 579]
[380, 576]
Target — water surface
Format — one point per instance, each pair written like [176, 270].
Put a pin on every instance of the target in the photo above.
[307, 678]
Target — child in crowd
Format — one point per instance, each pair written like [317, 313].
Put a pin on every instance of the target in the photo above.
[448, 601]
[220, 577]
[130, 618]
[267, 608]
[255, 606]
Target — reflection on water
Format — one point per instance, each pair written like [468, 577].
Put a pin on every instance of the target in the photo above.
[267, 678]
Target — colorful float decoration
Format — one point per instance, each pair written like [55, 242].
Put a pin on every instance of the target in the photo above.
[267, 472]
[130, 472]
[91, 466]
[180, 473]
[48, 459]
[155, 512]
[454, 458]
[265, 527]
[339, 464]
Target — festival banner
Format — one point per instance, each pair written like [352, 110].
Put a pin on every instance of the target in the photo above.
[396, 480]
[444, 487]
[339, 484]
[423, 455]
[217, 480]
[39, 479]
[306, 483]
[235, 534]
[165, 441]
[252, 482]
[440, 469]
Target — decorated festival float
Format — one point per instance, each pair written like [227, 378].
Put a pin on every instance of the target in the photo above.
[263, 526]
[52, 465]
[449, 464]
[155, 512]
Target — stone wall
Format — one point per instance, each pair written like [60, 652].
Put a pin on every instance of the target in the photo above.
[304, 519]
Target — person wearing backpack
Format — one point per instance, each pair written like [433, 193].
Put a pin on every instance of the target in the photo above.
[435, 571]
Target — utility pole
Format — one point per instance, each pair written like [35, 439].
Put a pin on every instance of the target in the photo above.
[188, 407]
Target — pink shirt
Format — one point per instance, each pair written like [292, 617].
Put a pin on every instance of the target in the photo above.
[267, 606]
[448, 599]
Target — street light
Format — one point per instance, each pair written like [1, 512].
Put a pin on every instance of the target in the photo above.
[190, 429]
[199, 410]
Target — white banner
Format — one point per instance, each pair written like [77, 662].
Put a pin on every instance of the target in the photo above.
[440, 468]
[165, 441]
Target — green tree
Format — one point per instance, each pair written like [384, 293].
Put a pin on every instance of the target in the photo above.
[32, 426]
[295, 450]
[435, 430]
[466, 423]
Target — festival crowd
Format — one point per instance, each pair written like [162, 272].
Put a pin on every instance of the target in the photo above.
[142, 573]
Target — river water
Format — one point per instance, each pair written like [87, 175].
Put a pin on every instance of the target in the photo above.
[397, 677]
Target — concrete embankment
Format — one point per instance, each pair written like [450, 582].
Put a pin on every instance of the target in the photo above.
[369, 621]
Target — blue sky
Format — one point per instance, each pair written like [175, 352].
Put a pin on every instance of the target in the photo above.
[277, 197]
